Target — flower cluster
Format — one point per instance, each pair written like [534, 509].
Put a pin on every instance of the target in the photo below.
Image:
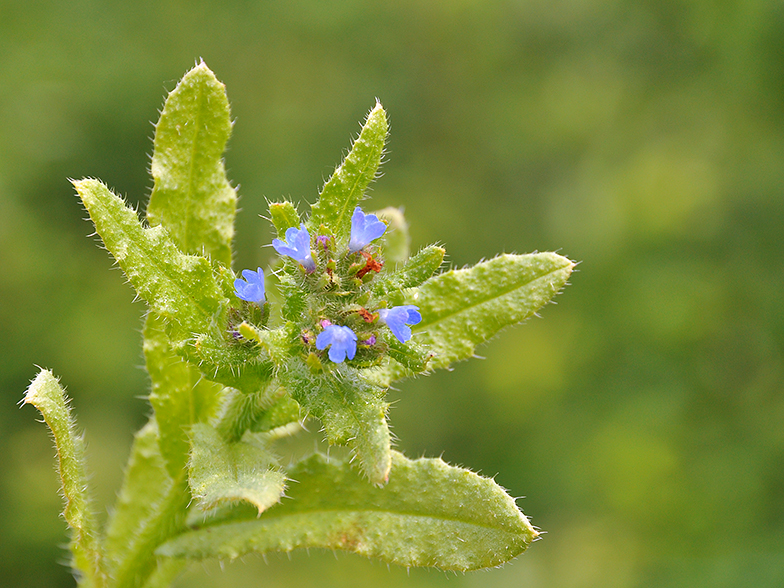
[340, 340]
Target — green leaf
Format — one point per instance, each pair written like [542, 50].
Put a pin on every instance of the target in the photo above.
[46, 394]
[259, 412]
[223, 472]
[352, 411]
[410, 355]
[180, 287]
[191, 196]
[346, 187]
[180, 395]
[429, 514]
[284, 216]
[464, 308]
[151, 508]
[395, 242]
[145, 483]
[415, 271]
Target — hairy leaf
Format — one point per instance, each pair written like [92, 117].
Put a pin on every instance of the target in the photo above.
[464, 308]
[46, 394]
[268, 409]
[429, 514]
[346, 187]
[191, 196]
[145, 483]
[180, 287]
[352, 411]
[284, 216]
[416, 270]
[223, 472]
[180, 395]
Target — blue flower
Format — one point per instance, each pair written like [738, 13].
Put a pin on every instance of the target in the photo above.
[398, 318]
[296, 246]
[252, 288]
[343, 342]
[364, 229]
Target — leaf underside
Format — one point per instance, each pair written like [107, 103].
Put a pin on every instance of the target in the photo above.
[46, 394]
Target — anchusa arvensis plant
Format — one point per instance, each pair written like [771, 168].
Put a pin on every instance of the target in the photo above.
[238, 362]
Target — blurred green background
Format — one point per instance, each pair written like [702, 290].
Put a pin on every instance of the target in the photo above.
[642, 417]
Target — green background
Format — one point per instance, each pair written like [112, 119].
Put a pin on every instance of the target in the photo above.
[642, 417]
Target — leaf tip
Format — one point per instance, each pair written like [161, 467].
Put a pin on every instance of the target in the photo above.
[41, 380]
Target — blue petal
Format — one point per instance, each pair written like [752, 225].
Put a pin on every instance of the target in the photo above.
[342, 342]
[398, 318]
[414, 317]
[251, 288]
[364, 229]
[296, 246]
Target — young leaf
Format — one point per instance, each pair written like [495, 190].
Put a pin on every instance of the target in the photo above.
[352, 411]
[46, 394]
[429, 514]
[284, 216]
[346, 187]
[180, 395]
[191, 196]
[259, 412]
[223, 472]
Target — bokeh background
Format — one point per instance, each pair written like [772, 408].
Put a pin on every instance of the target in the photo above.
[642, 417]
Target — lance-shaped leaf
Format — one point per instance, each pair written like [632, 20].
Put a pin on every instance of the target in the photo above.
[223, 472]
[463, 308]
[346, 187]
[191, 196]
[180, 396]
[429, 514]
[46, 394]
[352, 411]
[180, 287]
[145, 483]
